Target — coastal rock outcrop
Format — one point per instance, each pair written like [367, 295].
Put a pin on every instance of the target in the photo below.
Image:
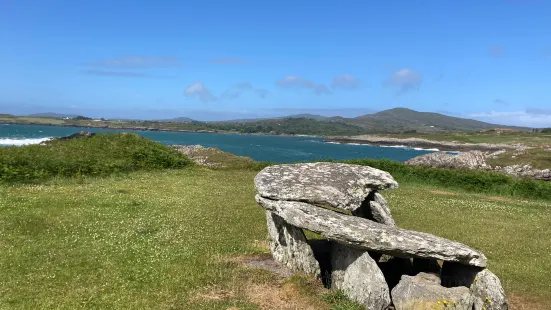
[343, 204]
[463, 160]
[477, 160]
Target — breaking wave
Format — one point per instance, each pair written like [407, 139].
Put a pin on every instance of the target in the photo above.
[19, 142]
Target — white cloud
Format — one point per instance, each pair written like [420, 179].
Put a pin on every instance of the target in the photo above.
[405, 80]
[345, 81]
[528, 118]
[137, 62]
[199, 90]
[297, 82]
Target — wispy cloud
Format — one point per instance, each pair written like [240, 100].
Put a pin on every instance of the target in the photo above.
[502, 102]
[262, 93]
[243, 85]
[228, 61]
[531, 117]
[538, 111]
[198, 90]
[116, 73]
[405, 80]
[238, 89]
[231, 94]
[440, 77]
[297, 82]
[345, 81]
[137, 62]
[496, 51]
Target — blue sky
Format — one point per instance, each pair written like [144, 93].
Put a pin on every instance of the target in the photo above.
[210, 60]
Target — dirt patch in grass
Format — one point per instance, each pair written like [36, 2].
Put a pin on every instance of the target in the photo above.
[519, 302]
[286, 296]
[440, 192]
[260, 261]
[212, 294]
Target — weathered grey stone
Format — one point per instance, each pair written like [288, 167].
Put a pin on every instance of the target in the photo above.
[424, 291]
[289, 246]
[365, 234]
[483, 284]
[488, 288]
[357, 275]
[375, 208]
[342, 186]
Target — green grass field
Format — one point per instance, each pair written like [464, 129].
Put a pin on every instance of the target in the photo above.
[171, 239]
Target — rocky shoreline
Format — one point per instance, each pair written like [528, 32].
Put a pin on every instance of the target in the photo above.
[424, 143]
[477, 160]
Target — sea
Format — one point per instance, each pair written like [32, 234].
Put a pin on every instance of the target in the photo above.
[276, 149]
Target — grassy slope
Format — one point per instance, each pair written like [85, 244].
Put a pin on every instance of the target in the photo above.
[155, 239]
[538, 158]
[101, 154]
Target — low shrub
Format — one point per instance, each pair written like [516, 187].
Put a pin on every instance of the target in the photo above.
[468, 180]
[98, 155]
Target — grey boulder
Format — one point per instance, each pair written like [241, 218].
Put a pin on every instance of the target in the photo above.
[483, 284]
[424, 291]
[356, 274]
[342, 186]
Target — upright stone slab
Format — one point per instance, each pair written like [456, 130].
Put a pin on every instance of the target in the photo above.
[289, 246]
[358, 276]
[375, 208]
[341, 186]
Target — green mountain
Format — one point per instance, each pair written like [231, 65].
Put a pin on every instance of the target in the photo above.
[402, 119]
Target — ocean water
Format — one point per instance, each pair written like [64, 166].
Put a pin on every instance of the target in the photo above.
[279, 149]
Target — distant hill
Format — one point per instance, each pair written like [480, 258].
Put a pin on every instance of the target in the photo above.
[52, 115]
[306, 115]
[402, 119]
[179, 120]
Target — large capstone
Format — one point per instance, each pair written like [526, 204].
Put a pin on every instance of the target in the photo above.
[356, 274]
[289, 246]
[342, 186]
[368, 235]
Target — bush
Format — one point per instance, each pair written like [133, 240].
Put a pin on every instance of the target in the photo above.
[98, 155]
[468, 180]
[546, 130]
